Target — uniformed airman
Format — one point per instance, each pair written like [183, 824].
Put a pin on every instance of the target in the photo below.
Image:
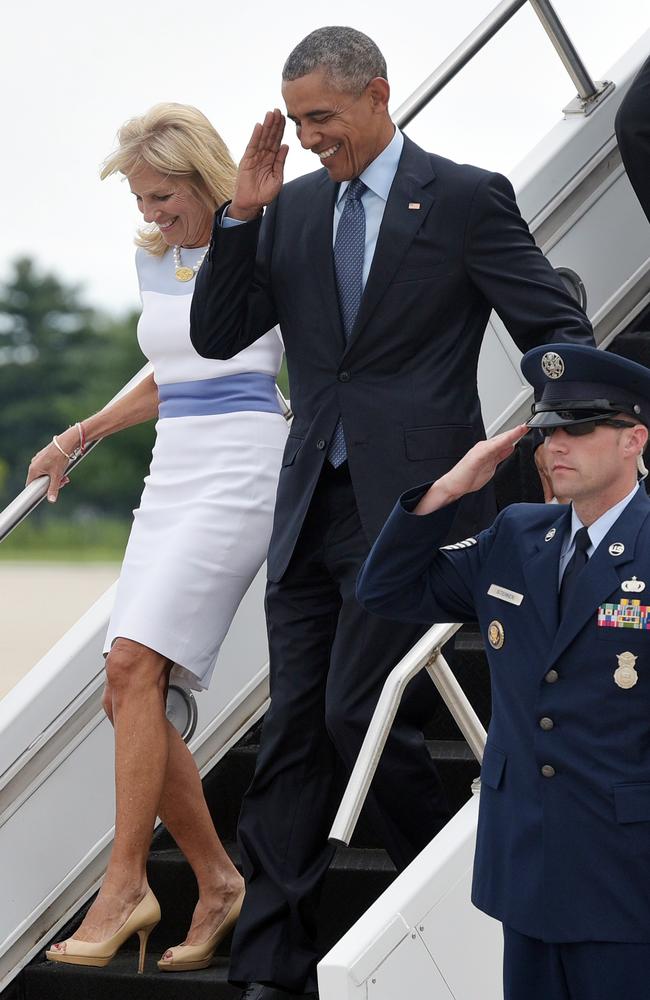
[561, 594]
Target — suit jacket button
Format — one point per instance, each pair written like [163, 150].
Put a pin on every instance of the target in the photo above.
[344, 376]
[548, 771]
[546, 723]
[320, 444]
[551, 677]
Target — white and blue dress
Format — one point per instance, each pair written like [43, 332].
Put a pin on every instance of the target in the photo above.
[203, 525]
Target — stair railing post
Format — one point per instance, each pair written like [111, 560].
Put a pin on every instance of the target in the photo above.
[425, 654]
[590, 92]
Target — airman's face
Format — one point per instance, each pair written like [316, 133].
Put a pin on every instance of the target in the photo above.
[593, 464]
[346, 131]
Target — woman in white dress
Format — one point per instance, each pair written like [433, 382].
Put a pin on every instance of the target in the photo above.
[198, 538]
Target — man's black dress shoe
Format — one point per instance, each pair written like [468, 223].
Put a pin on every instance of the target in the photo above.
[255, 991]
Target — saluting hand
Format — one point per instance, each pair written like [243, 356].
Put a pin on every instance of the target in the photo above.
[261, 171]
[473, 471]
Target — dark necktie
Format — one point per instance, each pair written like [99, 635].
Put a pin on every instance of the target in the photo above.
[576, 564]
[349, 249]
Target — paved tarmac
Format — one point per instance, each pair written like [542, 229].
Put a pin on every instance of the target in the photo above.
[38, 604]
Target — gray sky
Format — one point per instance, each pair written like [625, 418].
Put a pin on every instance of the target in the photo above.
[73, 71]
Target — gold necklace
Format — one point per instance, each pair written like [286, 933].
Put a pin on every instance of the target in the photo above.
[182, 272]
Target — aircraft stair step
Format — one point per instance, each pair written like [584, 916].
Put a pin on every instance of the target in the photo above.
[225, 786]
[358, 877]
[120, 981]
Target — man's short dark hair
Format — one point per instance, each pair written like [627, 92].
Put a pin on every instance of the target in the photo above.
[349, 58]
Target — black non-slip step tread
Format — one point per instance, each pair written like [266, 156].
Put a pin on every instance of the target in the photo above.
[444, 749]
[119, 980]
[469, 642]
[450, 750]
[346, 858]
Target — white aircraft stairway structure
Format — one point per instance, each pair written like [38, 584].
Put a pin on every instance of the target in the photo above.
[56, 760]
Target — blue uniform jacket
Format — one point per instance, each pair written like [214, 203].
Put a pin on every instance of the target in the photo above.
[563, 857]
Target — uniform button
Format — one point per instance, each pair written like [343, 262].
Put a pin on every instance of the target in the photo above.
[344, 376]
[320, 444]
[546, 723]
[548, 770]
[551, 677]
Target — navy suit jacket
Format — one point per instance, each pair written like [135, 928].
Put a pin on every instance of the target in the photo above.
[405, 381]
[566, 857]
[633, 133]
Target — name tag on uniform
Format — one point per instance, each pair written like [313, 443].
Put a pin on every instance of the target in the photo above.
[509, 596]
[626, 614]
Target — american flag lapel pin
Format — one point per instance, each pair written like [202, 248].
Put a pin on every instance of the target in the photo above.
[414, 205]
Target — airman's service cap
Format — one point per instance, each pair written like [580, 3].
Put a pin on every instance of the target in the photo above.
[574, 384]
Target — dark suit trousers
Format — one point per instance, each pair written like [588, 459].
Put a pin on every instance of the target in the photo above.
[328, 661]
[584, 970]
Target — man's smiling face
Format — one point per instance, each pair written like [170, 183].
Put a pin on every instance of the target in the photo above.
[346, 131]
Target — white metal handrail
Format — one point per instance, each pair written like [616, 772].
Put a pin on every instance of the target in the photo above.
[590, 93]
[426, 654]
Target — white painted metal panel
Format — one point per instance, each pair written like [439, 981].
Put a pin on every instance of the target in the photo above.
[404, 971]
[63, 822]
[450, 930]
[427, 905]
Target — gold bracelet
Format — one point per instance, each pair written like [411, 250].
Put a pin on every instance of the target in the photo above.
[57, 445]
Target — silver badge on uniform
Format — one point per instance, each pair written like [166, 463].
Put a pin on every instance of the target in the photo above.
[625, 675]
[552, 365]
[616, 549]
[633, 586]
[510, 596]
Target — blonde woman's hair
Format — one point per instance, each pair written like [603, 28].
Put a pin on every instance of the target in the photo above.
[177, 141]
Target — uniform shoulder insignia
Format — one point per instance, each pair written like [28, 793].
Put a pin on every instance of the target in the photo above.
[465, 544]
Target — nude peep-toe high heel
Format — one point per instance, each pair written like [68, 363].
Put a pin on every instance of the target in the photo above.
[99, 953]
[187, 957]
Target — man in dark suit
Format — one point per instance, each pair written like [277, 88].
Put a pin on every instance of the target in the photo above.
[633, 134]
[381, 269]
[563, 846]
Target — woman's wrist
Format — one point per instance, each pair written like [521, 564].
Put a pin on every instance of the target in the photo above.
[72, 441]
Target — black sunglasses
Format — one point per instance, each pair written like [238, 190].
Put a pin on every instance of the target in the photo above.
[587, 426]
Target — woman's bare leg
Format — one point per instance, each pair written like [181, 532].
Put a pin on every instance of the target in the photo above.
[170, 773]
[137, 680]
[184, 812]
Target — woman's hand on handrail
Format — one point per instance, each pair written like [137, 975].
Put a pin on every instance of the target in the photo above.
[49, 461]
[135, 407]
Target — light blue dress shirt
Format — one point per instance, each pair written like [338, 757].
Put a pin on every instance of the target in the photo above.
[597, 531]
[378, 178]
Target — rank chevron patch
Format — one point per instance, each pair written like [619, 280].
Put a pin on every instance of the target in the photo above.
[465, 544]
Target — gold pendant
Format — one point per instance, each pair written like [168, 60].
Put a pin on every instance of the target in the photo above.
[184, 273]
